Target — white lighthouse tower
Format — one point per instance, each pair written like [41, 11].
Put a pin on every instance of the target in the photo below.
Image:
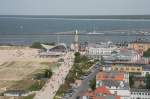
[76, 43]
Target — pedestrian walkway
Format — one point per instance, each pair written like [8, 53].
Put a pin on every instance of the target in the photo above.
[52, 85]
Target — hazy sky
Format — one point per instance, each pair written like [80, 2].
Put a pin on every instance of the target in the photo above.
[74, 7]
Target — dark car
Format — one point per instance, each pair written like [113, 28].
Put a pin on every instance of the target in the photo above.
[78, 97]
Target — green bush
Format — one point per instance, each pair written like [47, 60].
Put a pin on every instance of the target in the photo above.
[46, 73]
[147, 80]
[92, 83]
[36, 45]
[36, 86]
[39, 46]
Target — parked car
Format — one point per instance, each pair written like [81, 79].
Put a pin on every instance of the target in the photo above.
[78, 97]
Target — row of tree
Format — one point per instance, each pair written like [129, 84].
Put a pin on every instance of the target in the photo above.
[147, 53]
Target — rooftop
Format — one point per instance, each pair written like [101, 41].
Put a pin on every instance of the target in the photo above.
[110, 76]
[101, 45]
[103, 90]
[142, 40]
[115, 84]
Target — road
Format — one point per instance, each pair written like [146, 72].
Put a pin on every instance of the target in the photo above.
[85, 85]
[52, 85]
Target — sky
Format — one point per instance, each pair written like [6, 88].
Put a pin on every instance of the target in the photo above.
[74, 7]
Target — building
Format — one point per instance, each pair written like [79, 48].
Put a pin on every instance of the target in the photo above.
[113, 75]
[124, 54]
[100, 93]
[111, 52]
[83, 47]
[146, 70]
[129, 68]
[15, 93]
[140, 94]
[53, 51]
[110, 76]
[116, 83]
[139, 45]
[98, 50]
[139, 69]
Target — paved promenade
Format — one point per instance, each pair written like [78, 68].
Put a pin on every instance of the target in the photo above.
[50, 88]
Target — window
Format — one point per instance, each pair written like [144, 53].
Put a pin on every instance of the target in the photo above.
[138, 69]
[147, 73]
[133, 69]
[127, 68]
[116, 68]
[122, 69]
[115, 92]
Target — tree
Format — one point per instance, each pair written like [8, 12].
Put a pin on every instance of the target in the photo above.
[36, 45]
[39, 46]
[147, 81]
[47, 73]
[92, 84]
[131, 82]
[77, 57]
[147, 53]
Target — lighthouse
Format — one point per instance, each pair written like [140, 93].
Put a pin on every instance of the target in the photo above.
[76, 42]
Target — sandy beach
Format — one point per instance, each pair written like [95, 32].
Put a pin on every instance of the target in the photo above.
[11, 53]
[17, 63]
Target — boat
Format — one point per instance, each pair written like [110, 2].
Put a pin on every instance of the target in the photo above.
[94, 33]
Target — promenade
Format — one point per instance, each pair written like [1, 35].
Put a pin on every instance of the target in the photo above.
[52, 85]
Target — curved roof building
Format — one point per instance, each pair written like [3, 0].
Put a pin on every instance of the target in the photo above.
[57, 50]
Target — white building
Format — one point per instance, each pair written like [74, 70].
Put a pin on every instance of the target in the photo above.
[57, 50]
[116, 82]
[140, 94]
[146, 70]
[102, 49]
[15, 93]
[124, 54]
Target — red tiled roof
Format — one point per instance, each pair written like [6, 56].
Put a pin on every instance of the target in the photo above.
[109, 76]
[89, 93]
[102, 90]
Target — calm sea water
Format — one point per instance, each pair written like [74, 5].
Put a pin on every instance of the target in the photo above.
[29, 30]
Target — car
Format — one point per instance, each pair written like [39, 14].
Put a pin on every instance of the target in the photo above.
[78, 97]
[86, 74]
[82, 78]
[65, 96]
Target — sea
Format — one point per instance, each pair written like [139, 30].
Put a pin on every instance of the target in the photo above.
[26, 30]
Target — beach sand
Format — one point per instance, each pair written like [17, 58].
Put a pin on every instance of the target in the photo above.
[17, 63]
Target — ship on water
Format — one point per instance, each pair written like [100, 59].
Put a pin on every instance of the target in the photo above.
[94, 32]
